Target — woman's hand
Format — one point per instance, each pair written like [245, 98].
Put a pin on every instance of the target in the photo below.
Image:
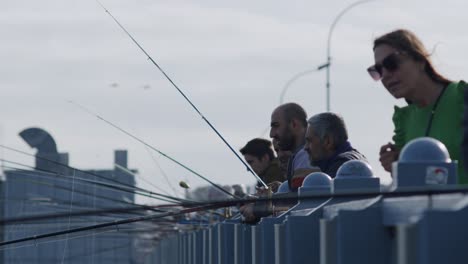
[388, 154]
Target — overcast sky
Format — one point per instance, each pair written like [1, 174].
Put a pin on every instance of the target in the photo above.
[232, 58]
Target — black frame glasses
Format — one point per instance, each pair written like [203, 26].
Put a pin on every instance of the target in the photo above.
[391, 63]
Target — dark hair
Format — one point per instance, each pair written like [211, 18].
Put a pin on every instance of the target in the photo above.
[293, 111]
[258, 147]
[329, 125]
[407, 42]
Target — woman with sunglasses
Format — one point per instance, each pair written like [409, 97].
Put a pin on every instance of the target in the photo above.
[435, 104]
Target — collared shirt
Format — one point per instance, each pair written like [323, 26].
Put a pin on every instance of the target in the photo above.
[299, 160]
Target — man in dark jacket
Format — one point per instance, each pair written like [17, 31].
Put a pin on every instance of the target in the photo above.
[327, 143]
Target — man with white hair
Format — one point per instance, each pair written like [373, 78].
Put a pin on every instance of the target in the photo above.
[327, 143]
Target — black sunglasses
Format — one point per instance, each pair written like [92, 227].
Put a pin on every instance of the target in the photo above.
[390, 63]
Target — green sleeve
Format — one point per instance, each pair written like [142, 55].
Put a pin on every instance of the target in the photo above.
[399, 121]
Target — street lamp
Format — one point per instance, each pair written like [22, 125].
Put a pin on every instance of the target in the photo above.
[288, 84]
[297, 76]
[323, 66]
[332, 27]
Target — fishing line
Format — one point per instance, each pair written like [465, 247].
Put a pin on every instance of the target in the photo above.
[355, 194]
[54, 175]
[108, 210]
[184, 96]
[153, 148]
[93, 238]
[82, 171]
[103, 225]
[362, 193]
[37, 243]
[106, 185]
[163, 173]
[104, 198]
[142, 178]
[69, 216]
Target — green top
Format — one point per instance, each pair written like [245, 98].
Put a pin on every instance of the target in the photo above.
[412, 121]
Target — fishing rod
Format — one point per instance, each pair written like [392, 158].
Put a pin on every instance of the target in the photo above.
[126, 221]
[218, 204]
[85, 172]
[153, 148]
[110, 210]
[52, 174]
[104, 225]
[110, 234]
[142, 207]
[183, 95]
[129, 172]
[134, 208]
[355, 193]
[100, 197]
[163, 173]
[81, 171]
[102, 184]
[59, 205]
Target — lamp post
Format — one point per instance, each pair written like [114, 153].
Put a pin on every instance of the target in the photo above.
[323, 66]
[288, 84]
[297, 76]
[332, 27]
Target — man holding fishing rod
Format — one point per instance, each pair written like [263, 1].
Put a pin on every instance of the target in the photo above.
[258, 153]
[288, 128]
[322, 141]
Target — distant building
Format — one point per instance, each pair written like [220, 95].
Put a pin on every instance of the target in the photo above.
[50, 188]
